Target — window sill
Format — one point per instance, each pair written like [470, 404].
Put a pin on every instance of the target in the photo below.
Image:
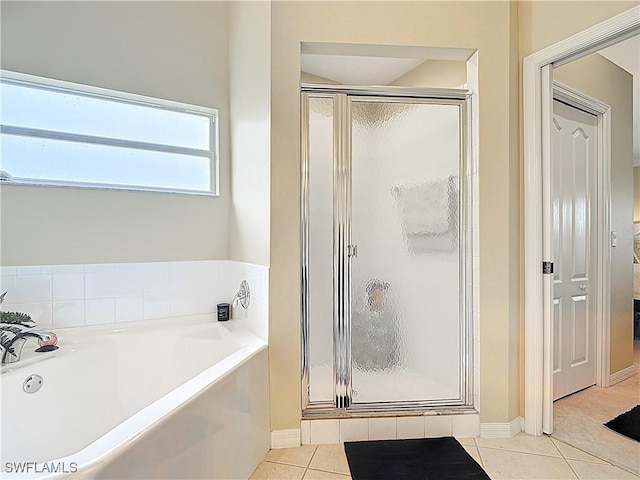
[100, 186]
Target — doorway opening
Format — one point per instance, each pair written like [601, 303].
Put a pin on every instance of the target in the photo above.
[579, 177]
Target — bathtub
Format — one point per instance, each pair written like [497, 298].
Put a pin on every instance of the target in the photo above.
[178, 398]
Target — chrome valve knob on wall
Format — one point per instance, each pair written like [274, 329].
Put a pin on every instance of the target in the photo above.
[243, 297]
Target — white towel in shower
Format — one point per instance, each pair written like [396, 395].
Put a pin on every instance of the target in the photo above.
[424, 207]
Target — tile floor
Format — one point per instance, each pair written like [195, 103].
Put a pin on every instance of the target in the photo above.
[578, 419]
[585, 449]
[521, 457]
[308, 462]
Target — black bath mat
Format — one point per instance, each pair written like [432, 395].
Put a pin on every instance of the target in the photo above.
[419, 459]
[627, 424]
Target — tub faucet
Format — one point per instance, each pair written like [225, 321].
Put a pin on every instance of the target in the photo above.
[16, 329]
[243, 296]
[13, 346]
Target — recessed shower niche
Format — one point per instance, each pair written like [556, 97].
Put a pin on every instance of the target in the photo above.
[386, 242]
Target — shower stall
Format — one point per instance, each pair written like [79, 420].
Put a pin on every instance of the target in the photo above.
[386, 251]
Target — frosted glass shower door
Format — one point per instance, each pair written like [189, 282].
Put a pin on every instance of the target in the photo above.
[385, 250]
[405, 263]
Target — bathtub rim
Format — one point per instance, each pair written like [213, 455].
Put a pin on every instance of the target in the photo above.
[241, 333]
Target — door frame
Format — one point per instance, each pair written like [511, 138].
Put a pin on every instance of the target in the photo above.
[538, 103]
[602, 112]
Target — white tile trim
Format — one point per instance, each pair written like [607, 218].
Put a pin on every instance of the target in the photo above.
[410, 427]
[501, 430]
[285, 438]
[466, 425]
[383, 428]
[443, 427]
[147, 290]
[355, 429]
[305, 432]
[622, 375]
[438, 426]
[325, 431]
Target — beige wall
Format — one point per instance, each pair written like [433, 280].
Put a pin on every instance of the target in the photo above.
[171, 50]
[543, 23]
[636, 194]
[597, 77]
[435, 74]
[482, 25]
[515, 245]
[250, 103]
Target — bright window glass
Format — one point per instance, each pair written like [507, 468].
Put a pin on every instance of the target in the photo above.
[65, 136]
[75, 162]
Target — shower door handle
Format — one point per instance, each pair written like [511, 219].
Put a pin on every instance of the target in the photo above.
[352, 251]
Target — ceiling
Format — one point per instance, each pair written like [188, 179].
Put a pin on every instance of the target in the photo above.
[355, 70]
[362, 64]
[625, 54]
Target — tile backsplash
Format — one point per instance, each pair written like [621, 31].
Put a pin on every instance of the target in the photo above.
[60, 296]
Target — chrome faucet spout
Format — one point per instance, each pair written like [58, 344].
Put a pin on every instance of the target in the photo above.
[13, 347]
[15, 329]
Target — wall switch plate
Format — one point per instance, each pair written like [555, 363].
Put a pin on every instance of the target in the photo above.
[614, 239]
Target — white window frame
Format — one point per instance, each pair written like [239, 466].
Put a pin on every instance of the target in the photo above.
[125, 97]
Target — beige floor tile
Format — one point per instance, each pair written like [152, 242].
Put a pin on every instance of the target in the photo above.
[277, 471]
[503, 464]
[466, 441]
[473, 451]
[595, 471]
[320, 475]
[573, 453]
[522, 443]
[300, 456]
[578, 419]
[330, 458]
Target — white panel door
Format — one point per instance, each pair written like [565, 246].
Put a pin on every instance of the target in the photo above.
[574, 169]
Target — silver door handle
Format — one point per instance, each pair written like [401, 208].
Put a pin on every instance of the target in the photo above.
[583, 287]
[352, 251]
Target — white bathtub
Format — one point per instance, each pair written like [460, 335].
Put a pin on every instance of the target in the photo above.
[178, 398]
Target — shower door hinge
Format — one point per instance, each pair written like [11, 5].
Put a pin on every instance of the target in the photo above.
[352, 251]
[547, 268]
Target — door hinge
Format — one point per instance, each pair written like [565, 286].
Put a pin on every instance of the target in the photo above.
[547, 268]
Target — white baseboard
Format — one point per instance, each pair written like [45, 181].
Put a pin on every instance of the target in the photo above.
[501, 430]
[622, 375]
[285, 438]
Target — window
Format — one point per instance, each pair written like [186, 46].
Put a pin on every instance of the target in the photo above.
[56, 133]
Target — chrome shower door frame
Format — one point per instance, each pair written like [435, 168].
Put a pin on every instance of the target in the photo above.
[343, 97]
